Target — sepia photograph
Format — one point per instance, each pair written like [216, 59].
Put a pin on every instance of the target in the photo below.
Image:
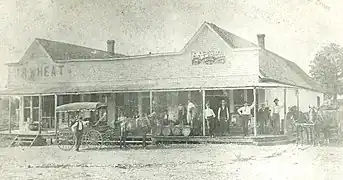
[171, 89]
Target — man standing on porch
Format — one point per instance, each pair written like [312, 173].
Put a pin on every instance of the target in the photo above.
[190, 113]
[223, 117]
[245, 114]
[210, 118]
[276, 109]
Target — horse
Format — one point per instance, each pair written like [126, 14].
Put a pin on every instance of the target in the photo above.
[301, 122]
[323, 124]
[140, 125]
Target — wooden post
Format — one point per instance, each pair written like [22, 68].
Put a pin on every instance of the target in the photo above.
[140, 104]
[31, 110]
[56, 121]
[298, 102]
[203, 113]
[285, 111]
[255, 113]
[150, 101]
[9, 115]
[21, 113]
[39, 114]
[232, 103]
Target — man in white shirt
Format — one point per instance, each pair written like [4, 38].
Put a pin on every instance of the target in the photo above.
[245, 115]
[190, 113]
[276, 109]
[210, 118]
[78, 128]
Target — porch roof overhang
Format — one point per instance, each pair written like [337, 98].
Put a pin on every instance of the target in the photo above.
[87, 89]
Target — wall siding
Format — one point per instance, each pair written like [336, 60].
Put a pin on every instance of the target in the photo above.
[239, 68]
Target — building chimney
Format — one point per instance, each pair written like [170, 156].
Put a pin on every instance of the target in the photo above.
[260, 40]
[110, 46]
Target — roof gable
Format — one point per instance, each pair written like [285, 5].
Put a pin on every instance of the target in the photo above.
[65, 51]
[231, 39]
[36, 53]
[272, 66]
[277, 68]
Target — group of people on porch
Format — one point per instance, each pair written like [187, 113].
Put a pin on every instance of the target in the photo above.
[220, 123]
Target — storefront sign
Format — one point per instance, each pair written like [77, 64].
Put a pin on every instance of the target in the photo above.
[210, 57]
[32, 73]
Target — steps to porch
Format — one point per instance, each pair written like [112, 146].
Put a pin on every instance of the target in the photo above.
[28, 140]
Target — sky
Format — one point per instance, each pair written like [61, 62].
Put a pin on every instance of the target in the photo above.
[294, 29]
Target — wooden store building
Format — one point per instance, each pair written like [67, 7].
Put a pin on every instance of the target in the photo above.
[214, 65]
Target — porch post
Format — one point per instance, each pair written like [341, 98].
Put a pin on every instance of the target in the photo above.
[150, 101]
[39, 114]
[55, 115]
[285, 111]
[9, 114]
[203, 114]
[140, 104]
[255, 113]
[298, 101]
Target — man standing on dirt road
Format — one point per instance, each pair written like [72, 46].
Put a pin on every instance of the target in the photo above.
[78, 128]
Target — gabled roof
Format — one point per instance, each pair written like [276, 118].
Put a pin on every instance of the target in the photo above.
[65, 51]
[276, 68]
[233, 40]
[272, 66]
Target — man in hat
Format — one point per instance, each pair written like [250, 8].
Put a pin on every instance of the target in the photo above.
[275, 113]
[77, 128]
[245, 115]
[224, 117]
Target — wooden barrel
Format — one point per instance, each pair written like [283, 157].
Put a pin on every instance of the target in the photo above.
[186, 130]
[157, 130]
[177, 131]
[166, 131]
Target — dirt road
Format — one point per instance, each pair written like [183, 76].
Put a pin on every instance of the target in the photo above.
[175, 162]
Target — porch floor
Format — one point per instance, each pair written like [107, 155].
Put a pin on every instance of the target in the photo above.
[21, 132]
[258, 140]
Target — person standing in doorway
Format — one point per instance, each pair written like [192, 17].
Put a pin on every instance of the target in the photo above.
[245, 116]
[276, 109]
[262, 118]
[181, 114]
[78, 128]
[224, 117]
[210, 118]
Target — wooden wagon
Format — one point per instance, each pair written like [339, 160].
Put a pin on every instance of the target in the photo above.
[95, 113]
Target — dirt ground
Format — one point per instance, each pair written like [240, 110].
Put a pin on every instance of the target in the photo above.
[175, 162]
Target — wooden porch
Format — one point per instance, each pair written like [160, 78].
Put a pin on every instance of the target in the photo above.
[262, 140]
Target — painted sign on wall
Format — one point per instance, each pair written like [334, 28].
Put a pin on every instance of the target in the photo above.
[32, 73]
[209, 57]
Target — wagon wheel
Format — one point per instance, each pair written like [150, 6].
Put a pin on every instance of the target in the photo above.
[66, 140]
[108, 137]
[92, 139]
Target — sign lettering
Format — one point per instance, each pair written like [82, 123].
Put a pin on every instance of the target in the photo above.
[210, 57]
[32, 73]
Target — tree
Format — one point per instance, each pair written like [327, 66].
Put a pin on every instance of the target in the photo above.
[327, 69]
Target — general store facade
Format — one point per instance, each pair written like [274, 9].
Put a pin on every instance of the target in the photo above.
[214, 65]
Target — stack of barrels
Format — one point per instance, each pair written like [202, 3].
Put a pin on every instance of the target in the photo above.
[171, 130]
